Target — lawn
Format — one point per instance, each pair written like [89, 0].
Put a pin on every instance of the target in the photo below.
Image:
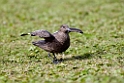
[97, 56]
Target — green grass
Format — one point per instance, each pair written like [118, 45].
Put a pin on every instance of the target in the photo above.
[97, 56]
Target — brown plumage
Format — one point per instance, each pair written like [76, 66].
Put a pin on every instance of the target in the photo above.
[55, 43]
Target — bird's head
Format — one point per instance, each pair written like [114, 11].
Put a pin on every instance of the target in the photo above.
[66, 29]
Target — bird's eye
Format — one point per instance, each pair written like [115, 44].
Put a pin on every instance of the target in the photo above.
[63, 26]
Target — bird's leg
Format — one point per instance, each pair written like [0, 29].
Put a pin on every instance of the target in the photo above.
[49, 55]
[62, 58]
[55, 61]
[54, 58]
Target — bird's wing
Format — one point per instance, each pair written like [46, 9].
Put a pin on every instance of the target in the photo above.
[43, 34]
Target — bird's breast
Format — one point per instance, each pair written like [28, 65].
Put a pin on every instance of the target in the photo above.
[64, 41]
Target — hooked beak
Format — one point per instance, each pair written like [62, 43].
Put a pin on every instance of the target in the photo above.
[75, 30]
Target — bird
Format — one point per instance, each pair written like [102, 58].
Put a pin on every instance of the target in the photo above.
[55, 43]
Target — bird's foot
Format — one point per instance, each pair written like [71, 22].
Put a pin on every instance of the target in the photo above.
[56, 61]
[61, 60]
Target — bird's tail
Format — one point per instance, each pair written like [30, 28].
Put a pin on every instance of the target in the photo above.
[24, 34]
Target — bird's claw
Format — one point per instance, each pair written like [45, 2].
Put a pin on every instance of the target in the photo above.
[56, 61]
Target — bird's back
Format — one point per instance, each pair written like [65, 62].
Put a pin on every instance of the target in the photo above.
[60, 44]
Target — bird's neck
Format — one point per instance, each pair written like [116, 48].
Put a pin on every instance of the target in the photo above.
[63, 37]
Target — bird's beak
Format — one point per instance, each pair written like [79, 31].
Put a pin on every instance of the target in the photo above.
[75, 30]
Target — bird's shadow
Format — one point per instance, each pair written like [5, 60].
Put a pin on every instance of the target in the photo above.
[88, 55]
